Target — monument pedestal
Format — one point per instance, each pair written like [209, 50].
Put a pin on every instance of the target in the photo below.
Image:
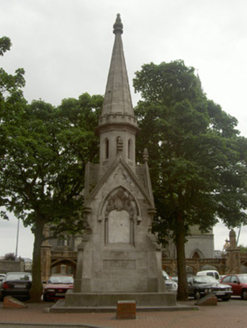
[107, 302]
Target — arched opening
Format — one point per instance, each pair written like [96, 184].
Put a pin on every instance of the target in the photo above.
[106, 148]
[129, 149]
[65, 266]
[195, 255]
[121, 214]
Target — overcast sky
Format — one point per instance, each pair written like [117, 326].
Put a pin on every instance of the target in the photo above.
[65, 48]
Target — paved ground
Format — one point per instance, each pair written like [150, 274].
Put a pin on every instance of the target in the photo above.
[230, 314]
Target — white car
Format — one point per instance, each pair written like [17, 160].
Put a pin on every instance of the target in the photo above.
[2, 276]
[210, 273]
[171, 286]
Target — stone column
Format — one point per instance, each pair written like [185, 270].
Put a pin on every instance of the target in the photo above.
[233, 255]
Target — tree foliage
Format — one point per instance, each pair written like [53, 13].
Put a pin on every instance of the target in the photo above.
[43, 153]
[9, 257]
[243, 249]
[197, 158]
[42, 171]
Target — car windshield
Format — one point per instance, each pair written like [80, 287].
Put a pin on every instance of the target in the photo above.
[243, 279]
[204, 280]
[23, 276]
[61, 280]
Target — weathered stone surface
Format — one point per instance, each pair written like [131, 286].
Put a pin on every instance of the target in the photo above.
[119, 254]
[118, 258]
[111, 299]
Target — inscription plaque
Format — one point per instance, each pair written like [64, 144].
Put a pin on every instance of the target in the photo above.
[116, 264]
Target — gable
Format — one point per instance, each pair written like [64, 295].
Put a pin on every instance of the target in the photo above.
[119, 175]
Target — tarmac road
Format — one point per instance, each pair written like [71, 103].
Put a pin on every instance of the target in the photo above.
[231, 314]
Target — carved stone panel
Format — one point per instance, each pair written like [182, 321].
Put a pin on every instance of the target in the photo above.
[118, 227]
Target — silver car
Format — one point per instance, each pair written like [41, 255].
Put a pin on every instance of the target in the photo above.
[199, 286]
[171, 286]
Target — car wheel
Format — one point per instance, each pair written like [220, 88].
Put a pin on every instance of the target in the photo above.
[244, 294]
[225, 298]
[45, 299]
[197, 295]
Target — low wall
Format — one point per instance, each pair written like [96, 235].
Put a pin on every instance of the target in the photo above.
[12, 266]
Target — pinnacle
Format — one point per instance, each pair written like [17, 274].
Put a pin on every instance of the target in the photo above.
[118, 26]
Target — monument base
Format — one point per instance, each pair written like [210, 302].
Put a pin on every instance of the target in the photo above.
[107, 302]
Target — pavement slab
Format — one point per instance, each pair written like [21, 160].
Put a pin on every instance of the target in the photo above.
[225, 315]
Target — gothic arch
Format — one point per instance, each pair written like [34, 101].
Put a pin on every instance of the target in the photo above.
[130, 148]
[67, 262]
[120, 212]
[106, 156]
[196, 254]
[129, 202]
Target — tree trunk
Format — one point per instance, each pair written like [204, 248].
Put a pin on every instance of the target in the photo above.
[181, 261]
[36, 290]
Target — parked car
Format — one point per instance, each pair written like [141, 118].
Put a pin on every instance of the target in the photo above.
[2, 276]
[174, 278]
[16, 284]
[171, 285]
[200, 286]
[238, 282]
[57, 287]
[211, 273]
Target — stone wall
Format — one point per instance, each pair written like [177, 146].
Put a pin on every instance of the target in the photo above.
[12, 266]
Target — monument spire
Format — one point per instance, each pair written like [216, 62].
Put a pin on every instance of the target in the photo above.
[117, 94]
[117, 113]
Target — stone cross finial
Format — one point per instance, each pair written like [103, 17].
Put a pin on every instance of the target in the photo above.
[118, 26]
[145, 155]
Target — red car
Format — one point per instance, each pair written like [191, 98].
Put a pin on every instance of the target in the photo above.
[238, 283]
[57, 287]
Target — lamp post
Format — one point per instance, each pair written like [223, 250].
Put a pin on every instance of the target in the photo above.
[17, 238]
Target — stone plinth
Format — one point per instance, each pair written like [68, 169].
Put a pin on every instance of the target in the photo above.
[111, 299]
[107, 302]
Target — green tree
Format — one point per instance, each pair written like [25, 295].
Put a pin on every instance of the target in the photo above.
[9, 256]
[5, 45]
[11, 95]
[243, 249]
[42, 172]
[197, 158]
[43, 153]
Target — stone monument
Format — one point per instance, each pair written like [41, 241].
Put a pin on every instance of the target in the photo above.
[118, 258]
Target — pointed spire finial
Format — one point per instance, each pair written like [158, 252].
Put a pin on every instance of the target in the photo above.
[118, 26]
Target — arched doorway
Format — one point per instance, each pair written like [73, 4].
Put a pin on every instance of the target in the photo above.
[64, 266]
